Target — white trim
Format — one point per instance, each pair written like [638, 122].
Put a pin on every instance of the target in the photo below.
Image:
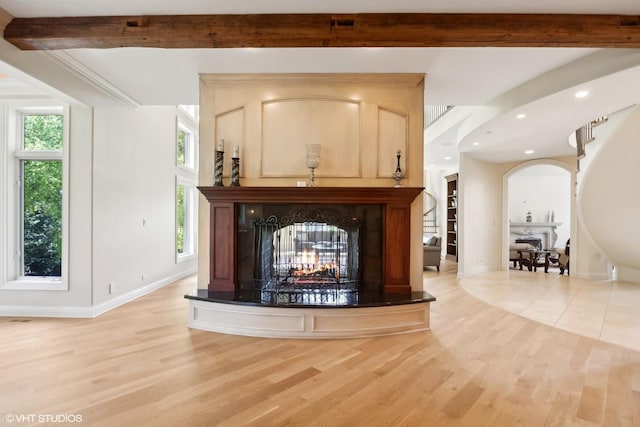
[90, 312]
[39, 154]
[69, 63]
[28, 283]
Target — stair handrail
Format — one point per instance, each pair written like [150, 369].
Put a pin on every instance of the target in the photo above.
[431, 204]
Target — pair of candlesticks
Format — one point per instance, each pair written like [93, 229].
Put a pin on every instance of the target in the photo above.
[235, 165]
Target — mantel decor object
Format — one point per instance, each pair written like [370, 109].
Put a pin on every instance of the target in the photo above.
[217, 174]
[398, 175]
[313, 161]
[235, 166]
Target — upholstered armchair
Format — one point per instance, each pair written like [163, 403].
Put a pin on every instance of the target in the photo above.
[432, 252]
[561, 258]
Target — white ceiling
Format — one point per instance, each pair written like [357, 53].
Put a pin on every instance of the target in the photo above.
[492, 84]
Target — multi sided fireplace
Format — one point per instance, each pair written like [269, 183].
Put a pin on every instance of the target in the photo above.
[281, 240]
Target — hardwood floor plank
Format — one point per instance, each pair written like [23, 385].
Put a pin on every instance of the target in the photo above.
[479, 366]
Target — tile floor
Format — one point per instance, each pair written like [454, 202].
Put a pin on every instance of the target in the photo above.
[605, 310]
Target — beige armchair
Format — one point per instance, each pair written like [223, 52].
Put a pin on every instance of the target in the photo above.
[432, 252]
[561, 258]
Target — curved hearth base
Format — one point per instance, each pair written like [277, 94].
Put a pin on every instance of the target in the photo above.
[233, 314]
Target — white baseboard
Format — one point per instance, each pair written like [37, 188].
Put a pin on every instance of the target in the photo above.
[89, 312]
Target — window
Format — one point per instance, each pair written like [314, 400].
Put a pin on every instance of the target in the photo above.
[185, 218]
[185, 147]
[186, 138]
[186, 178]
[36, 198]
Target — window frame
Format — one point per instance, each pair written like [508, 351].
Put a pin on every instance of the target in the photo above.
[190, 236]
[14, 153]
[187, 123]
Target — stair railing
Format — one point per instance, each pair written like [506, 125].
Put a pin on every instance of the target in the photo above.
[429, 217]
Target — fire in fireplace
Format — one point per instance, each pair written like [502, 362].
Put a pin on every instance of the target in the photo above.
[307, 249]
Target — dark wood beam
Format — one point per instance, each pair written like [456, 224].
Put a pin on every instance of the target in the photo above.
[326, 30]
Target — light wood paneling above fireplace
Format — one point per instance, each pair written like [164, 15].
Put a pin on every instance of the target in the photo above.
[361, 120]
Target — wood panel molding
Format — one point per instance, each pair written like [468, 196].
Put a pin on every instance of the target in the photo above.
[326, 30]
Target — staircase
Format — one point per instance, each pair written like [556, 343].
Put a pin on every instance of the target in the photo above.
[608, 206]
[429, 217]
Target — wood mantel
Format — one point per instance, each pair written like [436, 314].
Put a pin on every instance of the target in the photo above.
[397, 225]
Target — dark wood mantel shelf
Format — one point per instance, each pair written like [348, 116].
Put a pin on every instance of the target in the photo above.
[352, 195]
[224, 203]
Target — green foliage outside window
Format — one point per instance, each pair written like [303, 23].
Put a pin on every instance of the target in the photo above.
[181, 146]
[180, 220]
[42, 197]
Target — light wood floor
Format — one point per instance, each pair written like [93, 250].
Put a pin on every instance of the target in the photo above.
[139, 365]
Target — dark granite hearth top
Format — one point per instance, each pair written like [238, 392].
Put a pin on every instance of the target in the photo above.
[325, 299]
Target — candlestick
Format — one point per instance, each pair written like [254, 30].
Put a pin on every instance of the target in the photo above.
[235, 172]
[217, 175]
[220, 146]
[235, 152]
[313, 161]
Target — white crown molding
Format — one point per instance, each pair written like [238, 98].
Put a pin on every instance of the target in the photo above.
[94, 311]
[78, 69]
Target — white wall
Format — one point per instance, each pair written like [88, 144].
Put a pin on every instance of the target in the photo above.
[122, 171]
[134, 199]
[479, 215]
[540, 189]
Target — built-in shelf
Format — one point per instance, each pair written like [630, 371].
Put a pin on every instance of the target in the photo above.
[452, 217]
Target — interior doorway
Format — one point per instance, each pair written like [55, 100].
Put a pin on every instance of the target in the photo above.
[539, 204]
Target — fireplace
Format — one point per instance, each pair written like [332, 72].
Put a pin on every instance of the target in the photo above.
[304, 252]
[290, 240]
[321, 262]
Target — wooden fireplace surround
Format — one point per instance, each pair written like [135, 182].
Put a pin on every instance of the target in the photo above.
[223, 226]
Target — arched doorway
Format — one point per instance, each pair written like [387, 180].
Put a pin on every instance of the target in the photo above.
[538, 201]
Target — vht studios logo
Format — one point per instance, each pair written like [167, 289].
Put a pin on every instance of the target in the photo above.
[43, 418]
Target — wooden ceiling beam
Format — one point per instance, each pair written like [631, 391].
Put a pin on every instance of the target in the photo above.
[326, 30]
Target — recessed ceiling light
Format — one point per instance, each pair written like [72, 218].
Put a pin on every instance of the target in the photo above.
[476, 143]
[521, 116]
[447, 158]
[582, 93]
[529, 152]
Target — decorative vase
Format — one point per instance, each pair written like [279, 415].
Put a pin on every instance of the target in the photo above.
[398, 175]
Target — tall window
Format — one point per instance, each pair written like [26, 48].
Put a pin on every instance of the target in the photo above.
[36, 201]
[185, 147]
[185, 218]
[186, 178]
